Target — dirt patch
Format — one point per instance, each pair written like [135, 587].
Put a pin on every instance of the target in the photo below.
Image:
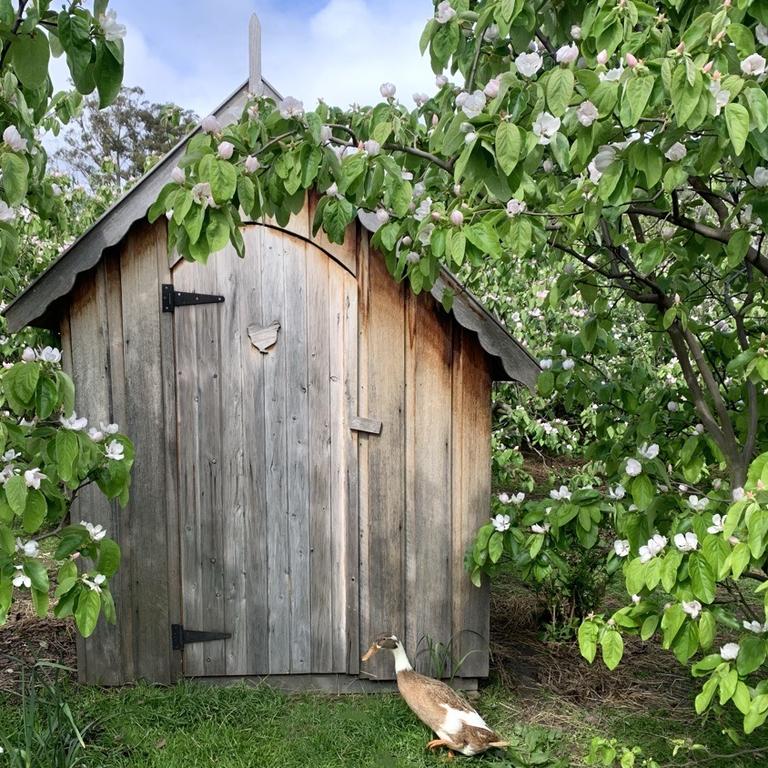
[26, 638]
[645, 679]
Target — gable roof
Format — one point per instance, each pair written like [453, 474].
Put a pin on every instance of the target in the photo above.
[35, 304]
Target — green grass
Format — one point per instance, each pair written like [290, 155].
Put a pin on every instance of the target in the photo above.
[191, 726]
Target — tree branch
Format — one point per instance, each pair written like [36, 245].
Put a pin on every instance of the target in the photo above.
[446, 166]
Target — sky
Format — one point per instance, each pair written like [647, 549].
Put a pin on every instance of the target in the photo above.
[195, 52]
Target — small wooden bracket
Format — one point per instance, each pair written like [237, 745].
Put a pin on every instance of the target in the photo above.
[369, 426]
[263, 338]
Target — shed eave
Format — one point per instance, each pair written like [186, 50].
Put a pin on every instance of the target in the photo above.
[34, 302]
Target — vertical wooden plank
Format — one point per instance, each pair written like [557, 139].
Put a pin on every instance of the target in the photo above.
[188, 410]
[471, 449]
[275, 437]
[318, 303]
[255, 469]
[346, 658]
[382, 556]
[429, 353]
[294, 333]
[168, 374]
[91, 374]
[232, 280]
[144, 409]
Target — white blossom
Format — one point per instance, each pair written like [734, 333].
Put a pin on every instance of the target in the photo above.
[115, 450]
[95, 434]
[755, 626]
[697, 504]
[109, 429]
[617, 493]
[382, 216]
[543, 528]
[6, 212]
[515, 207]
[371, 147]
[753, 64]
[517, 498]
[225, 150]
[472, 104]
[95, 583]
[587, 113]
[760, 177]
[178, 176]
[29, 355]
[29, 548]
[636, 599]
[32, 477]
[576, 32]
[211, 124]
[528, 64]
[633, 468]
[621, 547]
[676, 152]
[441, 81]
[10, 455]
[567, 54]
[388, 90]
[73, 422]
[21, 579]
[612, 75]
[112, 30]
[96, 532]
[290, 107]
[326, 134]
[545, 127]
[672, 406]
[692, 608]
[761, 33]
[444, 12]
[492, 87]
[718, 524]
[420, 99]
[560, 494]
[568, 364]
[738, 494]
[252, 164]
[649, 451]
[545, 364]
[202, 195]
[729, 651]
[686, 542]
[655, 545]
[14, 140]
[491, 34]
[501, 522]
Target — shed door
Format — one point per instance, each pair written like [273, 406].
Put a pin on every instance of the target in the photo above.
[267, 462]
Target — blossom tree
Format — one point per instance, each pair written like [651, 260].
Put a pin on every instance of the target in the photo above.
[620, 149]
[47, 454]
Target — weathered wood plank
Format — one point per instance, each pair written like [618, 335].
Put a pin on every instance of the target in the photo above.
[275, 436]
[144, 404]
[255, 469]
[294, 263]
[90, 369]
[366, 425]
[471, 450]
[346, 657]
[318, 302]
[382, 557]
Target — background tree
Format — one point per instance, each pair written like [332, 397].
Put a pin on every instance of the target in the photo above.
[619, 150]
[114, 146]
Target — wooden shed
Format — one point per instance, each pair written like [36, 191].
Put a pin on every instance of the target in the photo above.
[312, 447]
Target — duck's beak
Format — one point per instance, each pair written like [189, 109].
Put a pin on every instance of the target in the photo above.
[370, 652]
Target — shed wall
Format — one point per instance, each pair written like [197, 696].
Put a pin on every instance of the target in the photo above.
[424, 482]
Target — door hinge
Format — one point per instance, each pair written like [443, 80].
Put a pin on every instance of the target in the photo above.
[173, 299]
[181, 636]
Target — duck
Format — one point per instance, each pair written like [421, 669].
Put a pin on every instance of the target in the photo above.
[452, 718]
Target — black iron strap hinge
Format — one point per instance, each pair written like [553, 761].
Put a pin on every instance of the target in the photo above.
[181, 637]
[173, 299]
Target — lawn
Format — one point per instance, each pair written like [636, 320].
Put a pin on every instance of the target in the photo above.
[542, 697]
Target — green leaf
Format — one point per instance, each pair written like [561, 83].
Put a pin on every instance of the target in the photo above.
[612, 645]
[67, 451]
[496, 547]
[223, 179]
[40, 602]
[642, 491]
[637, 91]
[66, 392]
[87, 611]
[737, 122]
[707, 629]
[737, 247]
[546, 383]
[16, 492]
[108, 74]
[758, 107]
[35, 511]
[649, 626]
[702, 577]
[508, 146]
[752, 651]
[705, 697]
[588, 632]
[30, 55]
[15, 177]
[559, 90]
[37, 574]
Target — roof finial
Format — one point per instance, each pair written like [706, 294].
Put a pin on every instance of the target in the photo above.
[254, 54]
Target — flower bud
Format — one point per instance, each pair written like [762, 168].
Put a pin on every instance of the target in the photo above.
[225, 150]
[491, 89]
[631, 60]
[382, 216]
[29, 355]
[211, 124]
[457, 189]
[372, 147]
[457, 218]
[178, 175]
[252, 164]
[407, 241]
[470, 137]
[441, 80]
[707, 67]
[602, 57]
[387, 90]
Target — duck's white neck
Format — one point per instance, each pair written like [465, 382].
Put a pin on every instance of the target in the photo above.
[401, 659]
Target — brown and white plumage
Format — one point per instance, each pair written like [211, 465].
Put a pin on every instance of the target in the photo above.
[456, 723]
